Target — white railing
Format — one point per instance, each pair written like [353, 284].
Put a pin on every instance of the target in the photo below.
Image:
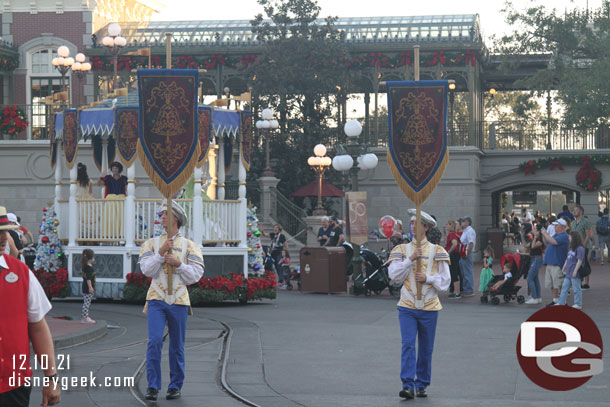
[102, 220]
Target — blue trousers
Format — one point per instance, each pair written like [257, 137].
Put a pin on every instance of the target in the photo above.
[532, 277]
[160, 313]
[467, 269]
[420, 324]
[575, 284]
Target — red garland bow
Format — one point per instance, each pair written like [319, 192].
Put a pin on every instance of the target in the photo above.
[97, 63]
[471, 57]
[588, 174]
[246, 60]
[375, 58]
[529, 167]
[124, 62]
[556, 164]
[155, 60]
[406, 59]
[439, 57]
[219, 59]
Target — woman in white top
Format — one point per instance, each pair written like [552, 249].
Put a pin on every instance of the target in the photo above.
[84, 186]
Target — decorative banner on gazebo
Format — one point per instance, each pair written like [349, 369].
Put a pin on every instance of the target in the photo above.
[246, 138]
[53, 143]
[204, 118]
[70, 137]
[228, 141]
[96, 142]
[127, 133]
[417, 135]
[168, 126]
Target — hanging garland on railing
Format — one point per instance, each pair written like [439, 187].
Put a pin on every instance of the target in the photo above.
[129, 62]
[12, 120]
[9, 64]
[588, 177]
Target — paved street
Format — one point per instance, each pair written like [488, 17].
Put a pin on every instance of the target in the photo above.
[318, 350]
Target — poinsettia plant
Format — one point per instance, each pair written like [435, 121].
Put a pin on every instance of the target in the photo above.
[54, 284]
[12, 120]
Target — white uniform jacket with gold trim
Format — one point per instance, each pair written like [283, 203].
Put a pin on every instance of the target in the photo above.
[438, 278]
[153, 265]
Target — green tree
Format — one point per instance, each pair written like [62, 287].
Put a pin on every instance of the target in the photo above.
[579, 68]
[300, 74]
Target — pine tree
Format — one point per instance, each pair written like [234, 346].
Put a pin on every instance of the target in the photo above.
[255, 249]
[48, 252]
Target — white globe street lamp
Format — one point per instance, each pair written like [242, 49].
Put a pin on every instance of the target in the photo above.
[319, 163]
[114, 43]
[266, 126]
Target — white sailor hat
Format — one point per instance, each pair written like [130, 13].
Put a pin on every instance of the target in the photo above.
[177, 211]
[426, 218]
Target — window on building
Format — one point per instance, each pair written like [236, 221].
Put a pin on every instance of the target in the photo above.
[41, 88]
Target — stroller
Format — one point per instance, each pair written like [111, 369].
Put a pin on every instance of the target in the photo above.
[509, 289]
[374, 276]
[295, 275]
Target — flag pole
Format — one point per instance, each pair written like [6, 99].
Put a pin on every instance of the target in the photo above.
[418, 204]
[170, 214]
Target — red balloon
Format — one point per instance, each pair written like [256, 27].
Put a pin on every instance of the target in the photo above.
[388, 232]
[387, 221]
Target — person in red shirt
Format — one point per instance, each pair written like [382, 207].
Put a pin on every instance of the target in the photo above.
[452, 245]
[23, 305]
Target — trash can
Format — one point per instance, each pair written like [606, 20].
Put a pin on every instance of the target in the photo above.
[495, 238]
[323, 269]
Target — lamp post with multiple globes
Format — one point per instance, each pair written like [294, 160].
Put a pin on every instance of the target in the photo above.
[114, 43]
[354, 151]
[266, 125]
[64, 62]
[320, 163]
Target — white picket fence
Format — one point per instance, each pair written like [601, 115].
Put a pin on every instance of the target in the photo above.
[103, 220]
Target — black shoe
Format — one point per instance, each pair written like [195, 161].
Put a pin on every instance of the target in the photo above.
[172, 394]
[406, 393]
[585, 287]
[151, 394]
[550, 304]
[421, 392]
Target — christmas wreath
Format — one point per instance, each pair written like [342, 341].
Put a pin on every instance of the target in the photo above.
[588, 177]
[13, 120]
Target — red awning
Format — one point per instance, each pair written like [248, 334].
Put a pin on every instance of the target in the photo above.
[311, 189]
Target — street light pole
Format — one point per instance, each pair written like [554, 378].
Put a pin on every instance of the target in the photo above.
[451, 100]
[320, 164]
[266, 125]
[114, 43]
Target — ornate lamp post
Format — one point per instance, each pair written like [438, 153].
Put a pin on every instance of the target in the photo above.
[63, 62]
[114, 43]
[320, 163]
[451, 101]
[266, 125]
[80, 67]
[354, 151]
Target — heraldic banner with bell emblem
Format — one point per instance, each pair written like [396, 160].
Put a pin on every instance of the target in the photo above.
[169, 143]
[417, 142]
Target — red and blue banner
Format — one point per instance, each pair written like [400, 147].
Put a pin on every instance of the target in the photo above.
[246, 138]
[127, 128]
[70, 136]
[169, 142]
[418, 154]
[204, 118]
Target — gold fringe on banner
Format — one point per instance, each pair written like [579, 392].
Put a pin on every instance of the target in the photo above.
[418, 197]
[167, 190]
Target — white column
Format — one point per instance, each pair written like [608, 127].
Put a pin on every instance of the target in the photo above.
[104, 161]
[197, 235]
[243, 220]
[73, 220]
[129, 214]
[242, 177]
[211, 191]
[221, 170]
[58, 165]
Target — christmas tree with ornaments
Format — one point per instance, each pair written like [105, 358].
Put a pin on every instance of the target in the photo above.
[255, 248]
[49, 255]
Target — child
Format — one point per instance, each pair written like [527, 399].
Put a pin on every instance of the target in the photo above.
[486, 274]
[88, 287]
[576, 256]
[510, 270]
[284, 267]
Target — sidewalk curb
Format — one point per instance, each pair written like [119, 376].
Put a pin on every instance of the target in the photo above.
[92, 333]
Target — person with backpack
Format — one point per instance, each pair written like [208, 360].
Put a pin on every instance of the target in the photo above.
[603, 235]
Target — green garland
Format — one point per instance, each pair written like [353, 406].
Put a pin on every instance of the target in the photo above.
[8, 64]
[564, 160]
[588, 177]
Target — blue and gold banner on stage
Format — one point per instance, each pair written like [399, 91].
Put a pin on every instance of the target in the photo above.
[418, 154]
[98, 145]
[169, 142]
[246, 138]
[204, 118]
[127, 130]
[70, 136]
[53, 146]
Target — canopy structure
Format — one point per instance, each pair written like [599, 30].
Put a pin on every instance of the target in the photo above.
[311, 189]
[100, 120]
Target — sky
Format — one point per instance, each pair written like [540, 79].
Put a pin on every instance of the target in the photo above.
[492, 20]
